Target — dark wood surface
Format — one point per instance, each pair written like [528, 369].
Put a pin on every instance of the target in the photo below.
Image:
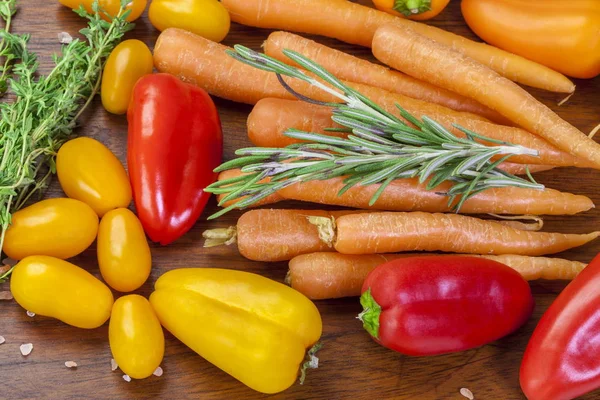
[352, 366]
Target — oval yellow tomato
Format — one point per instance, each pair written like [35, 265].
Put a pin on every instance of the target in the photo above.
[55, 288]
[123, 251]
[60, 228]
[88, 171]
[206, 18]
[127, 63]
[112, 7]
[136, 338]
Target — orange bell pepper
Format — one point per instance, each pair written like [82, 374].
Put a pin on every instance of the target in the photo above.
[561, 34]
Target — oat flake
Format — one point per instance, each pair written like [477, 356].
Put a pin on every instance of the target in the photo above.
[30, 314]
[71, 364]
[126, 378]
[113, 364]
[64, 38]
[2, 340]
[26, 349]
[467, 393]
[158, 372]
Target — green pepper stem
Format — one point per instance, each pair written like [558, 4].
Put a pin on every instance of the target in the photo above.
[412, 7]
[312, 361]
[370, 315]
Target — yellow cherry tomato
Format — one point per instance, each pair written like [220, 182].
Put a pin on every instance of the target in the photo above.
[136, 338]
[127, 63]
[123, 251]
[206, 18]
[88, 171]
[55, 288]
[60, 228]
[112, 7]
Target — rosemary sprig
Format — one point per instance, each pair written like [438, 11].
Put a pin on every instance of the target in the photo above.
[379, 149]
[46, 108]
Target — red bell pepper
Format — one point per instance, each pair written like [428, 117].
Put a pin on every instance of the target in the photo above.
[434, 305]
[562, 359]
[175, 142]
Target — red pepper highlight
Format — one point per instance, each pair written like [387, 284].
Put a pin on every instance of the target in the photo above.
[434, 305]
[562, 359]
[175, 141]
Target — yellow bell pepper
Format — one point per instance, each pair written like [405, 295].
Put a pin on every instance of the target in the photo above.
[255, 329]
[206, 18]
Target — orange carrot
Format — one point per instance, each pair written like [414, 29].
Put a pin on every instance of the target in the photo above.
[273, 235]
[199, 61]
[277, 235]
[433, 62]
[356, 24]
[388, 232]
[329, 275]
[234, 173]
[353, 69]
[270, 118]
[521, 169]
[409, 195]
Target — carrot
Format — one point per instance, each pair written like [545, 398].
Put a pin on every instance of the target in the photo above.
[356, 24]
[277, 235]
[425, 59]
[521, 169]
[273, 235]
[234, 173]
[199, 61]
[409, 195]
[388, 232]
[329, 275]
[270, 118]
[353, 69]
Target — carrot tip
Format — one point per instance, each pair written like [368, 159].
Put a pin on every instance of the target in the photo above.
[563, 101]
[594, 131]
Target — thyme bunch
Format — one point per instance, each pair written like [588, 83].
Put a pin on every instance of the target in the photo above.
[46, 108]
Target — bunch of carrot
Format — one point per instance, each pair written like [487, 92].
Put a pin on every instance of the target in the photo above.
[362, 239]
[435, 73]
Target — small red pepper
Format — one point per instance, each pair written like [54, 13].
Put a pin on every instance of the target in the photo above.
[434, 305]
[175, 142]
[562, 359]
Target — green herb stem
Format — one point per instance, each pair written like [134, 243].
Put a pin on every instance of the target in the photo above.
[46, 108]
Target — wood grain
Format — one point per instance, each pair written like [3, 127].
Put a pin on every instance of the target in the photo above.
[351, 365]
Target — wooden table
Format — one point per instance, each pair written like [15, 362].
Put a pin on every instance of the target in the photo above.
[352, 366]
